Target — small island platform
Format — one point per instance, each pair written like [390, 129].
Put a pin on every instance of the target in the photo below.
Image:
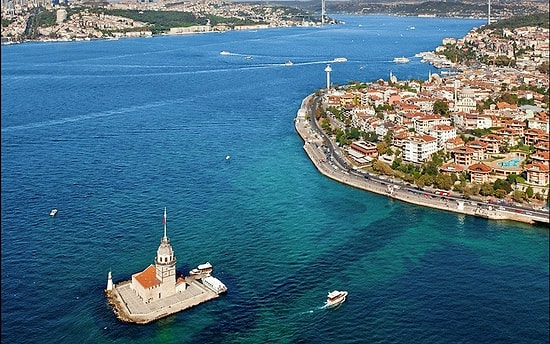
[128, 307]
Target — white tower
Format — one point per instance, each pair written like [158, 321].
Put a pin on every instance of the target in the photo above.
[328, 69]
[109, 281]
[489, 12]
[322, 12]
[165, 261]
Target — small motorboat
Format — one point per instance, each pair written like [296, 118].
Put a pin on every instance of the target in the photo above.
[402, 59]
[289, 63]
[53, 212]
[202, 269]
[335, 298]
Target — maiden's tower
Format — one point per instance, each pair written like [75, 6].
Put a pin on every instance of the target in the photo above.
[157, 292]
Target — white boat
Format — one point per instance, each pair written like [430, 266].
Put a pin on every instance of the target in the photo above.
[335, 298]
[53, 212]
[288, 63]
[224, 52]
[202, 269]
[340, 59]
[227, 157]
[214, 284]
[402, 59]
[248, 57]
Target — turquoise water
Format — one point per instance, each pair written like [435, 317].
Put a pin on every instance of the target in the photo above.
[514, 162]
[111, 132]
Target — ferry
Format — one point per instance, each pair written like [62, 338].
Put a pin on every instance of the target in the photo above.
[202, 269]
[224, 52]
[53, 212]
[214, 284]
[340, 59]
[402, 59]
[335, 298]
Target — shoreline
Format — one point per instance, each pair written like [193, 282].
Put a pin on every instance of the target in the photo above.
[314, 147]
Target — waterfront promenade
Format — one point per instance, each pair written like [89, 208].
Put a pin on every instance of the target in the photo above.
[329, 161]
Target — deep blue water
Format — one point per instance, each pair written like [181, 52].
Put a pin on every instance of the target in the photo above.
[111, 132]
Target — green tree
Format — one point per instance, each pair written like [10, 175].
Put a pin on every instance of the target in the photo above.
[382, 167]
[529, 192]
[500, 193]
[441, 107]
[486, 189]
[502, 184]
[382, 147]
[370, 136]
[443, 181]
[517, 196]
[427, 179]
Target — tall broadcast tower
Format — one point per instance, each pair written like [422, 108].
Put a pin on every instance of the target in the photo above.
[322, 12]
[489, 12]
[328, 70]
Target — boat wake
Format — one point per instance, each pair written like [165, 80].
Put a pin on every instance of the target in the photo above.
[311, 311]
[108, 113]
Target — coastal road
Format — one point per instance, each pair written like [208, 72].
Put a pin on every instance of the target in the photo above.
[329, 160]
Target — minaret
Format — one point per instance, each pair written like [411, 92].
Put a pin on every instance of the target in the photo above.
[328, 69]
[165, 261]
[109, 281]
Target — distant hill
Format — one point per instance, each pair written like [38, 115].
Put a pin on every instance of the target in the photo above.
[537, 19]
[472, 8]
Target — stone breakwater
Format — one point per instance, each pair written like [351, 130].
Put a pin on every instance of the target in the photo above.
[317, 145]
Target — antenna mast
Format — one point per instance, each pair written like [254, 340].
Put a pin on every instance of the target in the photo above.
[489, 12]
[322, 12]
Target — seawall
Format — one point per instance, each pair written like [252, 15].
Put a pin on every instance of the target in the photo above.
[315, 147]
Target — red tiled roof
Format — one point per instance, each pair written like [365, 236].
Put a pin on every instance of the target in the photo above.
[479, 168]
[148, 277]
[536, 167]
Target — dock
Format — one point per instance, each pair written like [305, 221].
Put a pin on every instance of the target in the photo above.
[128, 307]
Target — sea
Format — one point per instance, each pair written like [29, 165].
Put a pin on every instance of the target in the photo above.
[112, 132]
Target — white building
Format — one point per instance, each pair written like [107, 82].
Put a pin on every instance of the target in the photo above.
[417, 149]
[442, 134]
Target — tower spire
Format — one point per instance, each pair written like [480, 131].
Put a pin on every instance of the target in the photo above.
[164, 223]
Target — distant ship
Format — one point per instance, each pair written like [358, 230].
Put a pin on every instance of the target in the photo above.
[53, 212]
[402, 59]
[224, 52]
[288, 63]
[340, 59]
